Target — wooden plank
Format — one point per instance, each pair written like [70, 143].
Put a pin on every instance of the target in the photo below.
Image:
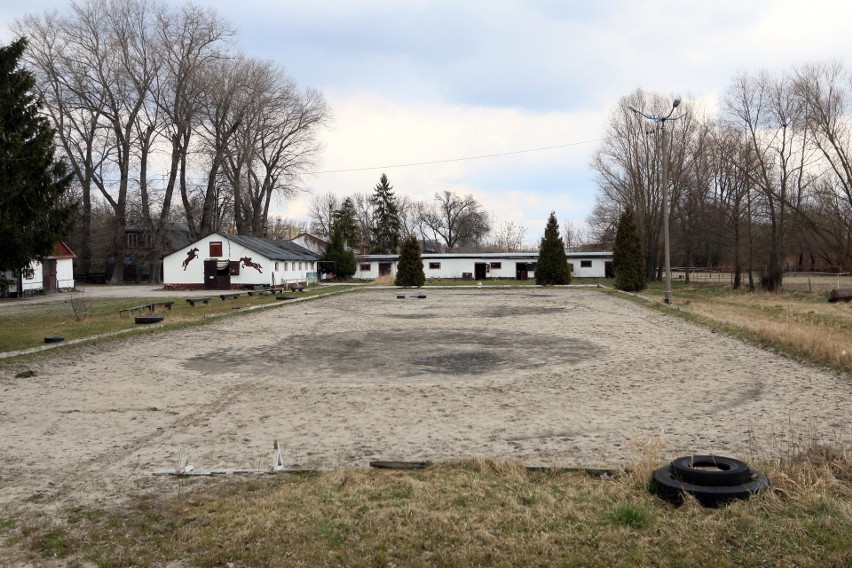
[381, 464]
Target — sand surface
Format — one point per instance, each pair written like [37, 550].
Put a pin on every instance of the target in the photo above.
[568, 377]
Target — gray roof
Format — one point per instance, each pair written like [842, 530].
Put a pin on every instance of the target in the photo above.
[483, 255]
[274, 250]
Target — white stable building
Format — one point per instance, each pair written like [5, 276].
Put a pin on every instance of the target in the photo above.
[479, 266]
[223, 262]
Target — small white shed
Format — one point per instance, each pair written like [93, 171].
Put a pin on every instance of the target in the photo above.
[53, 273]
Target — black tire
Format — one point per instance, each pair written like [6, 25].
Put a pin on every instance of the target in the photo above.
[54, 339]
[669, 488]
[726, 472]
[149, 319]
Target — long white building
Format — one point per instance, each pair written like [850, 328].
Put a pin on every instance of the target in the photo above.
[479, 266]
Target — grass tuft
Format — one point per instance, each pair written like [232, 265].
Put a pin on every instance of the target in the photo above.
[54, 544]
[630, 516]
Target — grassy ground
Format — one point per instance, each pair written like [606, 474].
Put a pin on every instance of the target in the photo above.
[27, 327]
[473, 513]
[800, 323]
[480, 512]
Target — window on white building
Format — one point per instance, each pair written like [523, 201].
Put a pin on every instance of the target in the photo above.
[434, 266]
[366, 267]
[585, 264]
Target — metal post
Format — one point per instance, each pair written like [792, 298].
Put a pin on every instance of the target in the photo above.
[661, 120]
[667, 298]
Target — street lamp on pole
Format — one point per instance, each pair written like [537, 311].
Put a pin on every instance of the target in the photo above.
[661, 120]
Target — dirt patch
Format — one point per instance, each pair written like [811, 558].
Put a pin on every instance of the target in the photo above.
[397, 355]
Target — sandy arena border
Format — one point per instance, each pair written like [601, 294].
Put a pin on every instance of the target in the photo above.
[565, 377]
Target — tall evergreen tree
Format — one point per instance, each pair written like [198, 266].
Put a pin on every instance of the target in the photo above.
[409, 269]
[386, 223]
[337, 259]
[346, 218]
[32, 180]
[627, 259]
[552, 266]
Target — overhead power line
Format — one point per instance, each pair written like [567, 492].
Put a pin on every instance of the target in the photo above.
[431, 162]
[411, 164]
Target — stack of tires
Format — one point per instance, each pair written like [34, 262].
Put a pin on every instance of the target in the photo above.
[713, 480]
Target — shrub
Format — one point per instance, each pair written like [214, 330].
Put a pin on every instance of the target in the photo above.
[409, 270]
[627, 259]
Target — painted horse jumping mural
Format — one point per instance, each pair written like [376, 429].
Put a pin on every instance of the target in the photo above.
[191, 254]
[246, 260]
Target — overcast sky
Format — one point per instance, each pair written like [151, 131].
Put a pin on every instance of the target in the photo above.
[417, 81]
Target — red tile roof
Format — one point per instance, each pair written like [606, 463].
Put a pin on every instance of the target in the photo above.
[62, 250]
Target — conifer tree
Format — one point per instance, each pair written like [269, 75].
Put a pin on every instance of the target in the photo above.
[32, 180]
[552, 266]
[409, 269]
[627, 259]
[337, 259]
[347, 219]
[386, 222]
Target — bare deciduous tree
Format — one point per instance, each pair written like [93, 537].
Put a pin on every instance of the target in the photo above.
[321, 212]
[508, 237]
[454, 220]
[772, 118]
[629, 171]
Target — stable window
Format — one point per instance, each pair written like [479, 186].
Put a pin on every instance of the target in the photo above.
[585, 264]
[300, 266]
[276, 266]
[366, 267]
[29, 273]
[216, 248]
[496, 265]
[434, 266]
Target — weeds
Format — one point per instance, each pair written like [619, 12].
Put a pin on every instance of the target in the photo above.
[80, 304]
[54, 544]
[474, 512]
[630, 516]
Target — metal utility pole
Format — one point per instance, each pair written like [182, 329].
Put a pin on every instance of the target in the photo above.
[661, 120]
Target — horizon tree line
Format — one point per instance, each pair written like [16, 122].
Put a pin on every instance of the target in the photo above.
[765, 183]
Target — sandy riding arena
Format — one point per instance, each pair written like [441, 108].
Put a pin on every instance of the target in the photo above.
[544, 376]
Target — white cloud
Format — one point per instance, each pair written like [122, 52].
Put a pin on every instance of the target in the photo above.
[371, 131]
